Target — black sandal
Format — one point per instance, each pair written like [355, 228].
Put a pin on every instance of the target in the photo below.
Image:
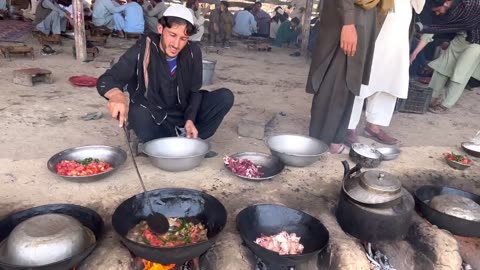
[47, 50]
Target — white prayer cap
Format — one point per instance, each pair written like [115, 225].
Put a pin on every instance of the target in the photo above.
[179, 11]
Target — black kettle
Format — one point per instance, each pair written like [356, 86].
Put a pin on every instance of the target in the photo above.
[373, 221]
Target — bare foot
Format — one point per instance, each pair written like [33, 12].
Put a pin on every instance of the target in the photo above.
[336, 148]
[435, 101]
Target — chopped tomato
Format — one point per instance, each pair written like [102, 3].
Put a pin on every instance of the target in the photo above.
[457, 158]
[75, 168]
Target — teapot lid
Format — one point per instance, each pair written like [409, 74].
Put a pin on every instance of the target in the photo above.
[373, 187]
[380, 182]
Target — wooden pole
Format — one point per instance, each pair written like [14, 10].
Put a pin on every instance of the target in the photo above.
[306, 25]
[79, 27]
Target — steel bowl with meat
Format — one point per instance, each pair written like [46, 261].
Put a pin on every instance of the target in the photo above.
[254, 166]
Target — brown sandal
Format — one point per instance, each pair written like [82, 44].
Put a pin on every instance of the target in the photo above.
[439, 109]
[381, 136]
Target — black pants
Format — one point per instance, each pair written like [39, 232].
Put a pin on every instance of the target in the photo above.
[215, 105]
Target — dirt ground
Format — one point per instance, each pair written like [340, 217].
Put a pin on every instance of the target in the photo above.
[37, 122]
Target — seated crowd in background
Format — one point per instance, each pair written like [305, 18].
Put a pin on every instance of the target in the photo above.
[51, 18]
[152, 11]
[3, 8]
[245, 24]
[221, 25]
[139, 16]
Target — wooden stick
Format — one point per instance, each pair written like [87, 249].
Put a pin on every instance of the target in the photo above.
[79, 27]
[306, 25]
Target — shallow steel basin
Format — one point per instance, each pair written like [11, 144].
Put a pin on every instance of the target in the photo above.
[389, 152]
[113, 155]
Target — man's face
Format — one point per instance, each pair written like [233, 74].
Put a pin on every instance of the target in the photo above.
[173, 39]
[257, 7]
[442, 10]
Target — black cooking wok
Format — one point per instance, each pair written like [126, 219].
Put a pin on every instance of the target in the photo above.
[269, 219]
[86, 216]
[458, 226]
[171, 202]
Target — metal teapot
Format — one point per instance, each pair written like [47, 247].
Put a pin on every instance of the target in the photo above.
[373, 205]
[371, 188]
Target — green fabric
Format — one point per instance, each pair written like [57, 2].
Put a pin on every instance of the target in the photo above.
[460, 61]
[285, 34]
[427, 38]
[451, 93]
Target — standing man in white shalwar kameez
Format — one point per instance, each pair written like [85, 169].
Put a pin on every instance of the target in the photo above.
[389, 77]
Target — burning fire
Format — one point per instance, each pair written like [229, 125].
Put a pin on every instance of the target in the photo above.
[156, 266]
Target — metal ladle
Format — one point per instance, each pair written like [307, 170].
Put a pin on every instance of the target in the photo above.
[157, 222]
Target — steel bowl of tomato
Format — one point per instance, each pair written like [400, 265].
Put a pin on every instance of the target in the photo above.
[456, 161]
[87, 163]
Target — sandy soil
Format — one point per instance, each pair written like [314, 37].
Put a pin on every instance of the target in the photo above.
[37, 122]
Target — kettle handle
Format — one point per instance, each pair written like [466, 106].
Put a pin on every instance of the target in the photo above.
[347, 171]
[346, 168]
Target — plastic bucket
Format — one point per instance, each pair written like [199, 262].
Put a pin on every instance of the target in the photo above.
[208, 71]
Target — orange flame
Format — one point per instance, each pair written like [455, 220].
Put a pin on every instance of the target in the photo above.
[156, 266]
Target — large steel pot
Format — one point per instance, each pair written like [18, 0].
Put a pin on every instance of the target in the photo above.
[296, 150]
[371, 215]
[46, 239]
[176, 153]
[87, 217]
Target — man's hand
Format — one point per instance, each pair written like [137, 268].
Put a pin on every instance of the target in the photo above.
[215, 28]
[69, 17]
[117, 105]
[444, 45]
[191, 130]
[71, 21]
[348, 39]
